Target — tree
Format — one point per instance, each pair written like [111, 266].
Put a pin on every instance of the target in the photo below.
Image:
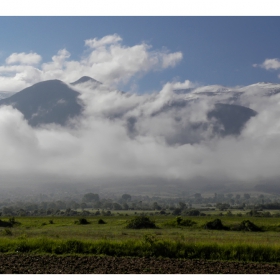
[89, 197]
[177, 211]
[222, 206]
[117, 206]
[126, 197]
[60, 204]
[73, 204]
[156, 206]
[182, 205]
[230, 195]
[125, 206]
[83, 206]
[108, 204]
[197, 195]
[194, 212]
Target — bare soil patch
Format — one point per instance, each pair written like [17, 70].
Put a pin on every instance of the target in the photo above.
[52, 264]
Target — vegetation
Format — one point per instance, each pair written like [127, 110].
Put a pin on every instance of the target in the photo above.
[247, 226]
[94, 204]
[216, 224]
[82, 221]
[101, 222]
[148, 247]
[166, 236]
[222, 227]
[141, 222]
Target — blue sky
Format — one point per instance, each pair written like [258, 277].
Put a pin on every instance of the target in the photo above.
[215, 50]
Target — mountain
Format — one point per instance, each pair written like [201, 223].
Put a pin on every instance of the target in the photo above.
[54, 101]
[5, 94]
[231, 117]
[85, 79]
[46, 102]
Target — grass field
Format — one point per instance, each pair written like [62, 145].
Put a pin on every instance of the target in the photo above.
[61, 235]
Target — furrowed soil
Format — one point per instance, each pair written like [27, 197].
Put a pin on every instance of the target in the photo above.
[52, 264]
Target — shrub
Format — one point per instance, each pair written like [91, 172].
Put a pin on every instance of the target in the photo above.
[5, 224]
[82, 221]
[187, 223]
[193, 212]
[184, 222]
[216, 224]
[247, 226]
[101, 222]
[141, 222]
[177, 211]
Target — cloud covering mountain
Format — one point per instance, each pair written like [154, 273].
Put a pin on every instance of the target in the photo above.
[183, 132]
[172, 135]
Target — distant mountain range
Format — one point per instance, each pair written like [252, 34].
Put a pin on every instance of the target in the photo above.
[54, 101]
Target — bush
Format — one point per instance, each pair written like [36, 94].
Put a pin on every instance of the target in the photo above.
[177, 211]
[82, 221]
[247, 226]
[12, 222]
[193, 212]
[141, 222]
[5, 224]
[216, 224]
[101, 222]
[184, 222]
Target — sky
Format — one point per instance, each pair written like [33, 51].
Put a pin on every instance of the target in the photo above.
[230, 51]
[137, 134]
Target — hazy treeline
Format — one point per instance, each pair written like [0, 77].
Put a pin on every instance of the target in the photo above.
[93, 204]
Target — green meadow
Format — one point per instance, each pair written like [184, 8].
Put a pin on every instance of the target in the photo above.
[65, 235]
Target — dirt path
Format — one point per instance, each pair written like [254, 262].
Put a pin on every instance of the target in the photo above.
[22, 264]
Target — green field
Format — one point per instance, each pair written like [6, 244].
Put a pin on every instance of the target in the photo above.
[61, 235]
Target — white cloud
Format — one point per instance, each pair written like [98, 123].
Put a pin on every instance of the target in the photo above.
[23, 58]
[107, 40]
[170, 60]
[107, 61]
[273, 63]
[177, 85]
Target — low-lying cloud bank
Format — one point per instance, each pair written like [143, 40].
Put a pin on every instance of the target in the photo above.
[125, 135]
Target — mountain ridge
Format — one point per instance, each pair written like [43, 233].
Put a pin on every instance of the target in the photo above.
[54, 101]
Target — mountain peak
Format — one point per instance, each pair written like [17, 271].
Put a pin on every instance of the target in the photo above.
[85, 79]
[50, 101]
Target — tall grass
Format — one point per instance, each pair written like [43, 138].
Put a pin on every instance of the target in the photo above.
[171, 239]
[147, 247]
